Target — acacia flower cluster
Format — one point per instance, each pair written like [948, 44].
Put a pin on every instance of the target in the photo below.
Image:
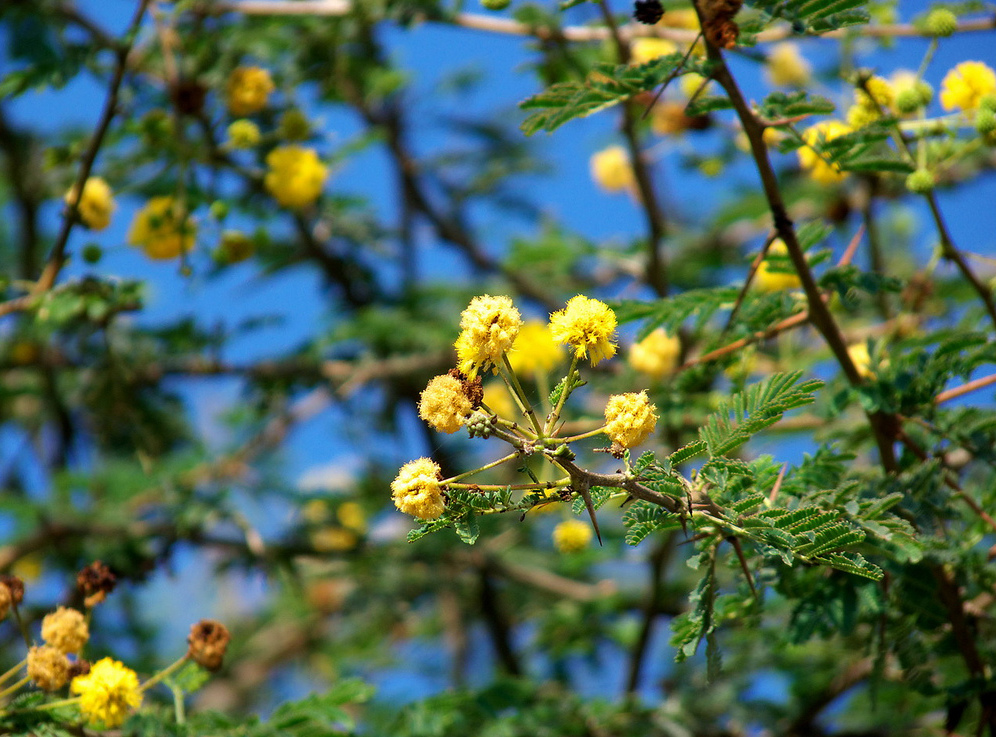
[163, 229]
[248, 90]
[96, 204]
[494, 336]
[295, 176]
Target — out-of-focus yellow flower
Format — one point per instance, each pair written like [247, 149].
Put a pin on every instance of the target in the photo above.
[243, 134]
[572, 536]
[352, 517]
[48, 667]
[768, 280]
[162, 229]
[107, 693]
[333, 540]
[499, 401]
[488, 328]
[96, 204]
[965, 85]
[416, 490]
[691, 83]
[787, 67]
[861, 360]
[871, 102]
[534, 350]
[668, 118]
[629, 418]
[684, 18]
[248, 90]
[234, 247]
[656, 355]
[295, 177]
[612, 170]
[642, 50]
[818, 168]
[27, 567]
[586, 324]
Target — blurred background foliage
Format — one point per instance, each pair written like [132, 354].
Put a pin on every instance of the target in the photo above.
[221, 427]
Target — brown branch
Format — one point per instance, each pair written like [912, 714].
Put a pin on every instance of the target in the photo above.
[966, 388]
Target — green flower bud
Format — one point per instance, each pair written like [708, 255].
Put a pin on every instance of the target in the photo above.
[496, 4]
[940, 22]
[920, 182]
[908, 101]
[294, 126]
[985, 121]
[219, 210]
[988, 102]
[925, 91]
[92, 253]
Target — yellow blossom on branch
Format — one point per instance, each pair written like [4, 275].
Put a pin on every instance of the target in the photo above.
[629, 418]
[96, 203]
[243, 134]
[248, 90]
[587, 325]
[768, 280]
[444, 405]
[817, 166]
[612, 171]
[162, 229]
[295, 177]
[965, 86]
[65, 629]
[643, 50]
[48, 667]
[107, 693]
[416, 490]
[787, 67]
[488, 328]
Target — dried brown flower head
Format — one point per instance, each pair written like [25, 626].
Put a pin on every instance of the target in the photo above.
[208, 640]
[717, 22]
[16, 587]
[48, 667]
[95, 581]
[472, 388]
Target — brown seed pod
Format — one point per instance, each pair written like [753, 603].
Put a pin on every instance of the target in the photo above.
[208, 640]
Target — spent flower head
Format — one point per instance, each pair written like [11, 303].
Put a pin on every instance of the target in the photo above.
[586, 325]
[208, 640]
[488, 328]
[48, 667]
[444, 404]
[416, 490]
[107, 693]
[65, 629]
[629, 418]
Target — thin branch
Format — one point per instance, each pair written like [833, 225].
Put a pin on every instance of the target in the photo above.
[966, 388]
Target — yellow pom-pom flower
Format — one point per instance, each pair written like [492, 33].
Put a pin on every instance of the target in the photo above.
[587, 325]
[534, 350]
[629, 418]
[643, 50]
[66, 630]
[96, 203]
[416, 490]
[871, 102]
[48, 667]
[818, 168]
[444, 405]
[107, 693]
[162, 229]
[656, 355]
[248, 90]
[612, 171]
[787, 67]
[488, 328]
[572, 536]
[295, 177]
[965, 85]
[243, 134]
[768, 280]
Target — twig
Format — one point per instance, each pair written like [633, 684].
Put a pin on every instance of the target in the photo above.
[966, 388]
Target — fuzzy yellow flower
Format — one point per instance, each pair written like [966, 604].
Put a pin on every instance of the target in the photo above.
[643, 50]
[965, 85]
[107, 693]
[352, 517]
[656, 355]
[65, 629]
[534, 350]
[243, 134]
[586, 324]
[612, 171]
[818, 168]
[96, 204]
[787, 67]
[488, 328]
[248, 90]
[295, 177]
[48, 667]
[861, 360]
[768, 280]
[162, 229]
[444, 405]
[629, 418]
[498, 400]
[416, 490]
[572, 536]
[869, 104]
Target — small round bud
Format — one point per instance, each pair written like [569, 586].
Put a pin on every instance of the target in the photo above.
[92, 253]
[920, 182]
[648, 11]
[294, 126]
[940, 22]
[985, 122]
[925, 91]
[495, 4]
[234, 247]
[988, 102]
[908, 101]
